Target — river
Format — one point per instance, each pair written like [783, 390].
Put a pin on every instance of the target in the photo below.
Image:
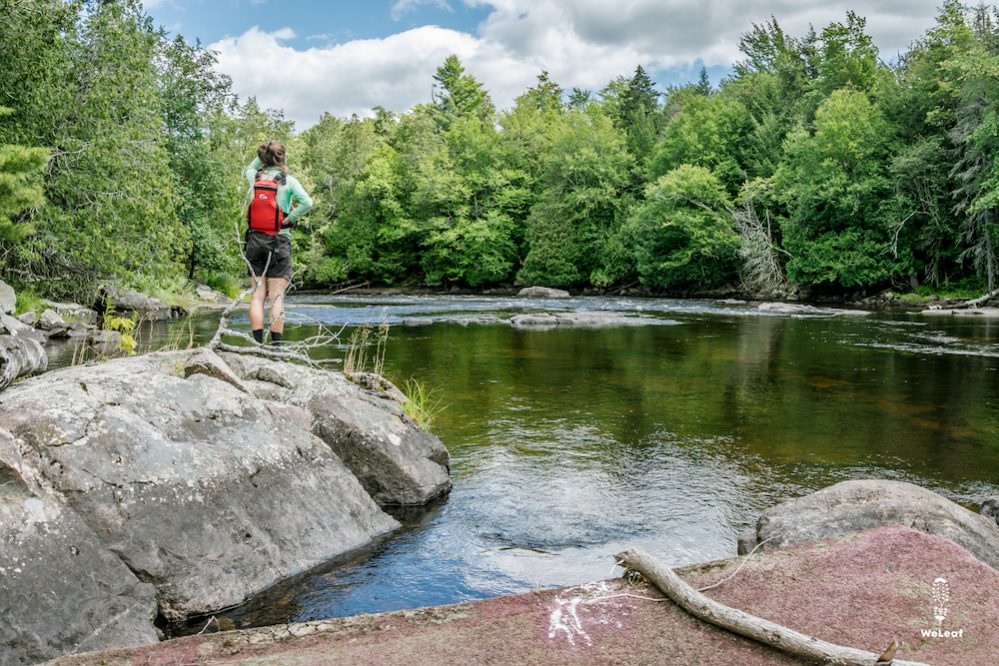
[670, 434]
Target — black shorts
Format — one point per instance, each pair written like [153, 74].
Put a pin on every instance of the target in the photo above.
[261, 246]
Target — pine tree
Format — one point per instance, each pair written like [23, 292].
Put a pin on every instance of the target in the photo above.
[21, 171]
[704, 82]
[457, 94]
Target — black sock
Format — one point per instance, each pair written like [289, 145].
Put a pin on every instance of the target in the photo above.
[258, 335]
[275, 337]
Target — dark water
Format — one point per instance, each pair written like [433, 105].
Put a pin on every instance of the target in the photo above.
[569, 444]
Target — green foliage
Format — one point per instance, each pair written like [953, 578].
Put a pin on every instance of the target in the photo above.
[707, 132]
[459, 95]
[579, 208]
[835, 187]
[124, 326]
[21, 171]
[848, 57]
[683, 233]
[422, 406]
[122, 150]
[28, 301]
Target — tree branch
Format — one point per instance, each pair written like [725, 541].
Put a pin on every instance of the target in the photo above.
[742, 623]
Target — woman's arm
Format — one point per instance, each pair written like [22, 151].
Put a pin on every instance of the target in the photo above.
[250, 172]
[302, 200]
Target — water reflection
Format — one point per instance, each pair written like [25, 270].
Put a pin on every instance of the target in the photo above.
[570, 444]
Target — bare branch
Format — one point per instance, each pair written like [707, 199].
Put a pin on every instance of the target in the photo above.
[288, 351]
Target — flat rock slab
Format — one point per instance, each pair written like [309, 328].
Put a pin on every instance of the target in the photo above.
[60, 589]
[396, 462]
[983, 313]
[861, 590]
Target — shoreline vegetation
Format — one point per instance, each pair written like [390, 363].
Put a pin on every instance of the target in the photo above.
[817, 169]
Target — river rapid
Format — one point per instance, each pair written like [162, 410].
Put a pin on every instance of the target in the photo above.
[670, 431]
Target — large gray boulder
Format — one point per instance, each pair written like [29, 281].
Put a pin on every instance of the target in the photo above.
[397, 462]
[8, 298]
[200, 488]
[61, 590]
[852, 506]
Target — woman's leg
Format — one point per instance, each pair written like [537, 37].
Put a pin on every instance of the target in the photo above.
[275, 293]
[257, 309]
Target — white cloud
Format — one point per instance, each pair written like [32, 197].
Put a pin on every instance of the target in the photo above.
[582, 43]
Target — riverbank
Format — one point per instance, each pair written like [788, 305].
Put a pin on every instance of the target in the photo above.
[862, 591]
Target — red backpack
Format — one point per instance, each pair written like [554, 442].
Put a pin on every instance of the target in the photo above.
[264, 214]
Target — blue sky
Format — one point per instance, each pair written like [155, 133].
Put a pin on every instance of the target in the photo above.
[347, 57]
[315, 23]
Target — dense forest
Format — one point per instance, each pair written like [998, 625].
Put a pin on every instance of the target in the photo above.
[817, 165]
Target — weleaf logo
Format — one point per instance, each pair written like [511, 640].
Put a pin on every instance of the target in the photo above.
[941, 596]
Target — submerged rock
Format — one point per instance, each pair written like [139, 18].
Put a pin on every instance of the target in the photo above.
[797, 308]
[852, 506]
[594, 319]
[542, 292]
[542, 320]
[395, 461]
[61, 589]
[198, 487]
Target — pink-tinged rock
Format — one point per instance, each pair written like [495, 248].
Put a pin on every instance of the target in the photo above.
[861, 590]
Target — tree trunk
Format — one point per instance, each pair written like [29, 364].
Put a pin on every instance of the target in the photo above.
[20, 356]
[978, 302]
[744, 624]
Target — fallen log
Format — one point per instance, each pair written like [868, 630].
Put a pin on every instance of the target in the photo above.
[739, 622]
[981, 300]
[20, 356]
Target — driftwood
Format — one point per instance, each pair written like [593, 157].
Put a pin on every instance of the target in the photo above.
[978, 302]
[20, 356]
[288, 350]
[742, 623]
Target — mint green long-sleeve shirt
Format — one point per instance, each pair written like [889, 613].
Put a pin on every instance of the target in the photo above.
[290, 192]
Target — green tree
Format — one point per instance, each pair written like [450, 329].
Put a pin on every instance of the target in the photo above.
[194, 97]
[683, 233]
[848, 57]
[708, 132]
[334, 155]
[113, 209]
[976, 135]
[470, 230]
[834, 184]
[458, 94]
[580, 207]
[21, 171]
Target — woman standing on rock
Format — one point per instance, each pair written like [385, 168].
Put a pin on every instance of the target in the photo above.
[277, 202]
